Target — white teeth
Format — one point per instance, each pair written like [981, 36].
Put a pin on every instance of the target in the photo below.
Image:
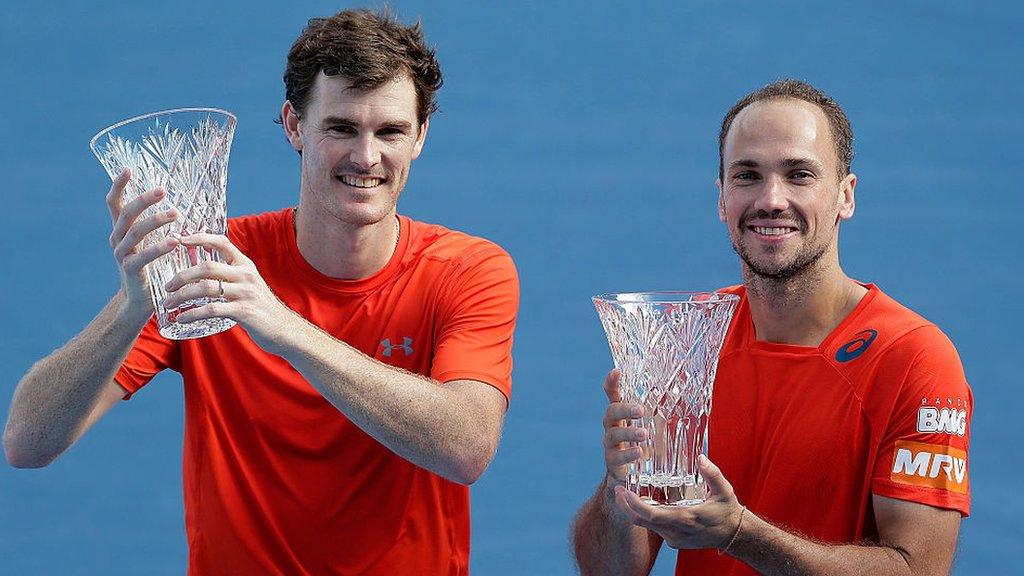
[361, 182]
[771, 231]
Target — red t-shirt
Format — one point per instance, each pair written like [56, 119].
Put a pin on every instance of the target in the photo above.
[806, 435]
[278, 481]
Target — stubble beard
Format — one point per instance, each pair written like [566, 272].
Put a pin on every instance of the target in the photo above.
[781, 272]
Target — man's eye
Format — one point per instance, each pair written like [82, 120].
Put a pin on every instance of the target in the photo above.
[802, 175]
[746, 176]
[341, 129]
[389, 132]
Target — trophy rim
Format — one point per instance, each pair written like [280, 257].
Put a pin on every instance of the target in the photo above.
[232, 120]
[664, 297]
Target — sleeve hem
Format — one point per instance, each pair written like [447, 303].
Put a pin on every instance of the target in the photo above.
[445, 377]
[129, 391]
[936, 498]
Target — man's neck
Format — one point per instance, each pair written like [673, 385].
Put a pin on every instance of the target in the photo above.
[802, 310]
[345, 251]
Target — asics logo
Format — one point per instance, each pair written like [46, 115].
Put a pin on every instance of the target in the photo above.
[857, 346]
[405, 346]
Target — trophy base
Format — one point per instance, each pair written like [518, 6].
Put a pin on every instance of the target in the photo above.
[668, 490]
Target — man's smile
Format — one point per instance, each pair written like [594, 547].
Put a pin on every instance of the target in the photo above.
[361, 181]
[773, 231]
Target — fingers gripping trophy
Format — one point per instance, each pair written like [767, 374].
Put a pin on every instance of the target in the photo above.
[184, 153]
[666, 346]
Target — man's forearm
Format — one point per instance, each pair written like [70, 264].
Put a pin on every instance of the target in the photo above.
[773, 551]
[446, 429]
[607, 543]
[53, 401]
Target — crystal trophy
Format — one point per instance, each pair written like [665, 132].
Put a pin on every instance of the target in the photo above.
[666, 345]
[185, 151]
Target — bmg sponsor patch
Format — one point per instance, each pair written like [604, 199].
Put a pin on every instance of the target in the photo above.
[931, 465]
[942, 420]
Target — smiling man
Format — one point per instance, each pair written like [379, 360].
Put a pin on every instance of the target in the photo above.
[336, 428]
[840, 419]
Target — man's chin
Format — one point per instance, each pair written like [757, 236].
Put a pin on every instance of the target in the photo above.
[765, 272]
[778, 269]
[364, 216]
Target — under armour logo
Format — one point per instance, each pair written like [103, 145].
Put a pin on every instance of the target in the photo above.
[405, 346]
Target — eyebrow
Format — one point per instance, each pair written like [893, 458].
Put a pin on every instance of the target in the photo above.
[743, 163]
[342, 121]
[797, 162]
[785, 163]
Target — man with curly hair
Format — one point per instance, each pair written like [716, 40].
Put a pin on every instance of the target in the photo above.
[336, 429]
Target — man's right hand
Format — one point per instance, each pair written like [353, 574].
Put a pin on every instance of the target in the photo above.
[64, 394]
[126, 237]
[605, 539]
[620, 440]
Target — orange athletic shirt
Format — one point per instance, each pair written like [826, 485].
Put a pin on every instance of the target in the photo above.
[806, 435]
[278, 481]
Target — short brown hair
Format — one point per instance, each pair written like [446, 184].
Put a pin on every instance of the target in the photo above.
[839, 125]
[368, 48]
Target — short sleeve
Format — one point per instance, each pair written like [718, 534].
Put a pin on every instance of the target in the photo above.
[476, 320]
[923, 456]
[150, 354]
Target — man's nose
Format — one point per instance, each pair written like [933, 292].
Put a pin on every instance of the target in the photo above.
[365, 153]
[773, 197]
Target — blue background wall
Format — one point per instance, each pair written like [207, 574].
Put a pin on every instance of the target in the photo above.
[579, 135]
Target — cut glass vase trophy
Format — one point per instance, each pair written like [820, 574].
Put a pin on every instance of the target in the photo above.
[666, 345]
[185, 151]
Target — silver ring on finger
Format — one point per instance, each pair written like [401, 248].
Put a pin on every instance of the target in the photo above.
[220, 286]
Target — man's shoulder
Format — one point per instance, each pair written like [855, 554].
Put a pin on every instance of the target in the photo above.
[439, 243]
[466, 271]
[897, 326]
[889, 341]
[878, 324]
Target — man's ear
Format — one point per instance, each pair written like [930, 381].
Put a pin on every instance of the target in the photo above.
[290, 121]
[847, 200]
[417, 147]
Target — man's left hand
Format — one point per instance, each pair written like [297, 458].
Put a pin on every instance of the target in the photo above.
[711, 524]
[247, 298]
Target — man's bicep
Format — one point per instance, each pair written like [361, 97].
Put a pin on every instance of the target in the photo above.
[924, 535]
[923, 451]
[476, 321]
